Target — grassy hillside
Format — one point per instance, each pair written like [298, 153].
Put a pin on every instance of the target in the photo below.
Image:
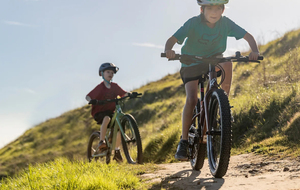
[266, 100]
[266, 110]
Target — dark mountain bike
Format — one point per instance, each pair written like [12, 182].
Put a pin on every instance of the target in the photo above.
[130, 135]
[210, 129]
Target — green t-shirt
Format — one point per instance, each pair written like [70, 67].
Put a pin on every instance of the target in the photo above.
[205, 41]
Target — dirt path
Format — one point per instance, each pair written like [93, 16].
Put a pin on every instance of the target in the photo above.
[245, 171]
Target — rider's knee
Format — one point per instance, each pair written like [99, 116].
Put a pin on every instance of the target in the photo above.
[191, 100]
[106, 119]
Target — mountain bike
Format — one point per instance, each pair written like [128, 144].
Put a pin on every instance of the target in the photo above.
[130, 135]
[210, 129]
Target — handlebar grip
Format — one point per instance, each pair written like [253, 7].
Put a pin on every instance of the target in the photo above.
[177, 56]
[260, 58]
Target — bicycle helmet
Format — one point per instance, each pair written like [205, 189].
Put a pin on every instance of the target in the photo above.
[108, 66]
[212, 2]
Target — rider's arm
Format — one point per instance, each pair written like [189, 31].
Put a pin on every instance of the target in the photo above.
[168, 47]
[91, 101]
[88, 98]
[252, 43]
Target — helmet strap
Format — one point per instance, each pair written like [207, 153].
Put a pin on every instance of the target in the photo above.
[104, 78]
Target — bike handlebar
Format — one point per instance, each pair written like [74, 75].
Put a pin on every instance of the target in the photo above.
[130, 95]
[237, 58]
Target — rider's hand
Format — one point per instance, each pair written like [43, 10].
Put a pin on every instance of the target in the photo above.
[93, 102]
[133, 95]
[170, 54]
[253, 56]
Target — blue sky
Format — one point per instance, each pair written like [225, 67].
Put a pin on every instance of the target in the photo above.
[50, 50]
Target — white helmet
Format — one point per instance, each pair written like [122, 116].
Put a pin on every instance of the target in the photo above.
[212, 2]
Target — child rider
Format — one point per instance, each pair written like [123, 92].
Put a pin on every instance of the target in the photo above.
[206, 36]
[103, 113]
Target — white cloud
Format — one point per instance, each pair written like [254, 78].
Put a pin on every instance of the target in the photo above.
[20, 90]
[14, 23]
[29, 90]
[148, 45]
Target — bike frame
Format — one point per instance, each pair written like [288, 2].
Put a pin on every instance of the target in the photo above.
[204, 101]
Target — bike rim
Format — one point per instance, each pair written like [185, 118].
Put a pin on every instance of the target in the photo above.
[130, 141]
[216, 135]
[93, 147]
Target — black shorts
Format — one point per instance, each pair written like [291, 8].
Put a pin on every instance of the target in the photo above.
[196, 72]
[100, 115]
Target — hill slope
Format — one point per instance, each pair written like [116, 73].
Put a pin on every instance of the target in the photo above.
[266, 110]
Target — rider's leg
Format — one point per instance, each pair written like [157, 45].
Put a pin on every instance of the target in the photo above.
[103, 128]
[191, 101]
[191, 89]
[227, 66]
[102, 144]
[118, 157]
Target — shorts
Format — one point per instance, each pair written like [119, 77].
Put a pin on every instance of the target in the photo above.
[196, 72]
[100, 116]
[192, 73]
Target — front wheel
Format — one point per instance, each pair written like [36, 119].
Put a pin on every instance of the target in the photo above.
[219, 140]
[131, 141]
[93, 145]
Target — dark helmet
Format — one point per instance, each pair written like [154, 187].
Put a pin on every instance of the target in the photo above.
[108, 66]
[212, 2]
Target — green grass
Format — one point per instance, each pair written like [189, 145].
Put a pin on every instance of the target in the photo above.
[63, 174]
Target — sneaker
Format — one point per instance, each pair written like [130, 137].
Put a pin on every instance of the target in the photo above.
[181, 153]
[118, 156]
[101, 147]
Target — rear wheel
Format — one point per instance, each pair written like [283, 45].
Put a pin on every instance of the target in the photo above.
[132, 144]
[219, 140]
[197, 150]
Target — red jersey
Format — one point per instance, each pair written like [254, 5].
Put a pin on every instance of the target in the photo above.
[101, 92]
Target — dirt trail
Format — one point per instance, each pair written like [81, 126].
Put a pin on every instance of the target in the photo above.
[245, 171]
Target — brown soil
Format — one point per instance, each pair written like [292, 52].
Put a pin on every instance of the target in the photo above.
[246, 171]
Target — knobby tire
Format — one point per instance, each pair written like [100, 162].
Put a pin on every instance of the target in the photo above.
[132, 145]
[219, 142]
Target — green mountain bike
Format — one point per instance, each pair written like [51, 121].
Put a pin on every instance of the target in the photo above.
[130, 135]
[210, 129]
